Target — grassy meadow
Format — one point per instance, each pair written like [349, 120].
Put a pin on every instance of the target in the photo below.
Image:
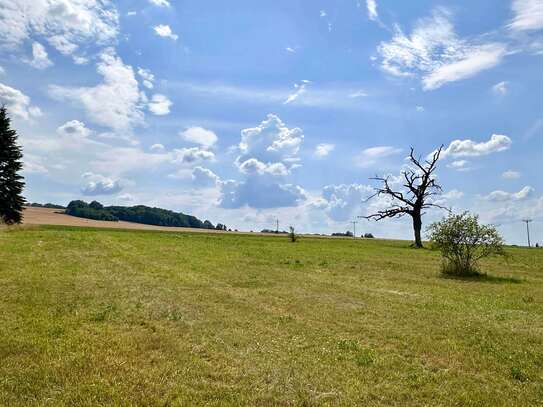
[92, 317]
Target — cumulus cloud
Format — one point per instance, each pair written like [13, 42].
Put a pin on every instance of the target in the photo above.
[434, 52]
[510, 174]
[267, 155]
[192, 155]
[470, 148]
[148, 78]
[371, 5]
[322, 150]
[204, 177]
[114, 103]
[528, 15]
[502, 196]
[343, 202]
[159, 105]
[97, 184]
[453, 194]
[17, 103]
[40, 59]
[157, 147]
[165, 31]
[299, 89]
[65, 25]
[373, 155]
[271, 142]
[199, 135]
[74, 129]
[460, 165]
[257, 194]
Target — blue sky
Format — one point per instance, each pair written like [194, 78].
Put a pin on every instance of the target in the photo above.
[243, 112]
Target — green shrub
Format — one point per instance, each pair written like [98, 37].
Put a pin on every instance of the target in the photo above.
[463, 241]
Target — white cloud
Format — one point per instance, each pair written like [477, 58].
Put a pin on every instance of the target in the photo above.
[199, 135]
[434, 52]
[510, 174]
[299, 89]
[270, 142]
[40, 59]
[474, 60]
[469, 148]
[267, 152]
[291, 50]
[322, 13]
[372, 9]
[148, 78]
[419, 108]
[157, 147]
[160, 3]
[500, 88]
[99, 185]
[160, 105]
[2, 71]
[502, 196]
[358, 94]
[372, 155]
[261, 195]
[65, 25]
[344, 202]
[192, 155]
[115, 102]
[74, 129]
[460, 165]
[453, 194]
[204, 177]
[322, 150]
[528, 15]
[17, 103]
[165, 31]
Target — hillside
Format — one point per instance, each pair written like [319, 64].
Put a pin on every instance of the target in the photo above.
[116, 317]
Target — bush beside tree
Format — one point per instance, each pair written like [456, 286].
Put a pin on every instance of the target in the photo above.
[463, 242]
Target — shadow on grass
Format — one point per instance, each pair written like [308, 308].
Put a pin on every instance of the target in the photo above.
[483, 278]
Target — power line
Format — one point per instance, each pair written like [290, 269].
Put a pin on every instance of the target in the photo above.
[528, 221]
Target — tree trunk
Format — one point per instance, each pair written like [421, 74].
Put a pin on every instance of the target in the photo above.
[417, 226]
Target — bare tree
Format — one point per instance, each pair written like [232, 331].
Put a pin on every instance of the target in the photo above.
[419, 185]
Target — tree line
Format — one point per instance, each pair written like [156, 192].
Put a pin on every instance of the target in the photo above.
[138, 214]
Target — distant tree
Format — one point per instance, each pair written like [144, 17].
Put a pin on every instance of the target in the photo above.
[419, 185]
[368, 236]
[96, 205]
[11, 182]
[463, 241]
[292, 234]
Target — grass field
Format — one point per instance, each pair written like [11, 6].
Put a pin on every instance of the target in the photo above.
[110, 317]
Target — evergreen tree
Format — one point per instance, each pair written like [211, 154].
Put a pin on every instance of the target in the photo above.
[11, 182]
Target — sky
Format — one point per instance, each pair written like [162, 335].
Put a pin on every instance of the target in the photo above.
[245, 112]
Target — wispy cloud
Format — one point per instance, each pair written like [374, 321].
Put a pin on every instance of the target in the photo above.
[299, 89]
[528, 15]
[434, 52]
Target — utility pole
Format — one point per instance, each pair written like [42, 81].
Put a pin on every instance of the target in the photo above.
[528, 221]
[277, 225]
[354, 222]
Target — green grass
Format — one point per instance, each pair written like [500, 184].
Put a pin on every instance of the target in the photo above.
[101, 317]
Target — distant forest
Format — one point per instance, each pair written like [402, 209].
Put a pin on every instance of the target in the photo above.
[138, 214]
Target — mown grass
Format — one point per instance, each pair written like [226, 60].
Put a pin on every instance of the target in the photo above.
[106, 317]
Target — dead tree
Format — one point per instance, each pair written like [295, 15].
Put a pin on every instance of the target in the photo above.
[419, 185]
